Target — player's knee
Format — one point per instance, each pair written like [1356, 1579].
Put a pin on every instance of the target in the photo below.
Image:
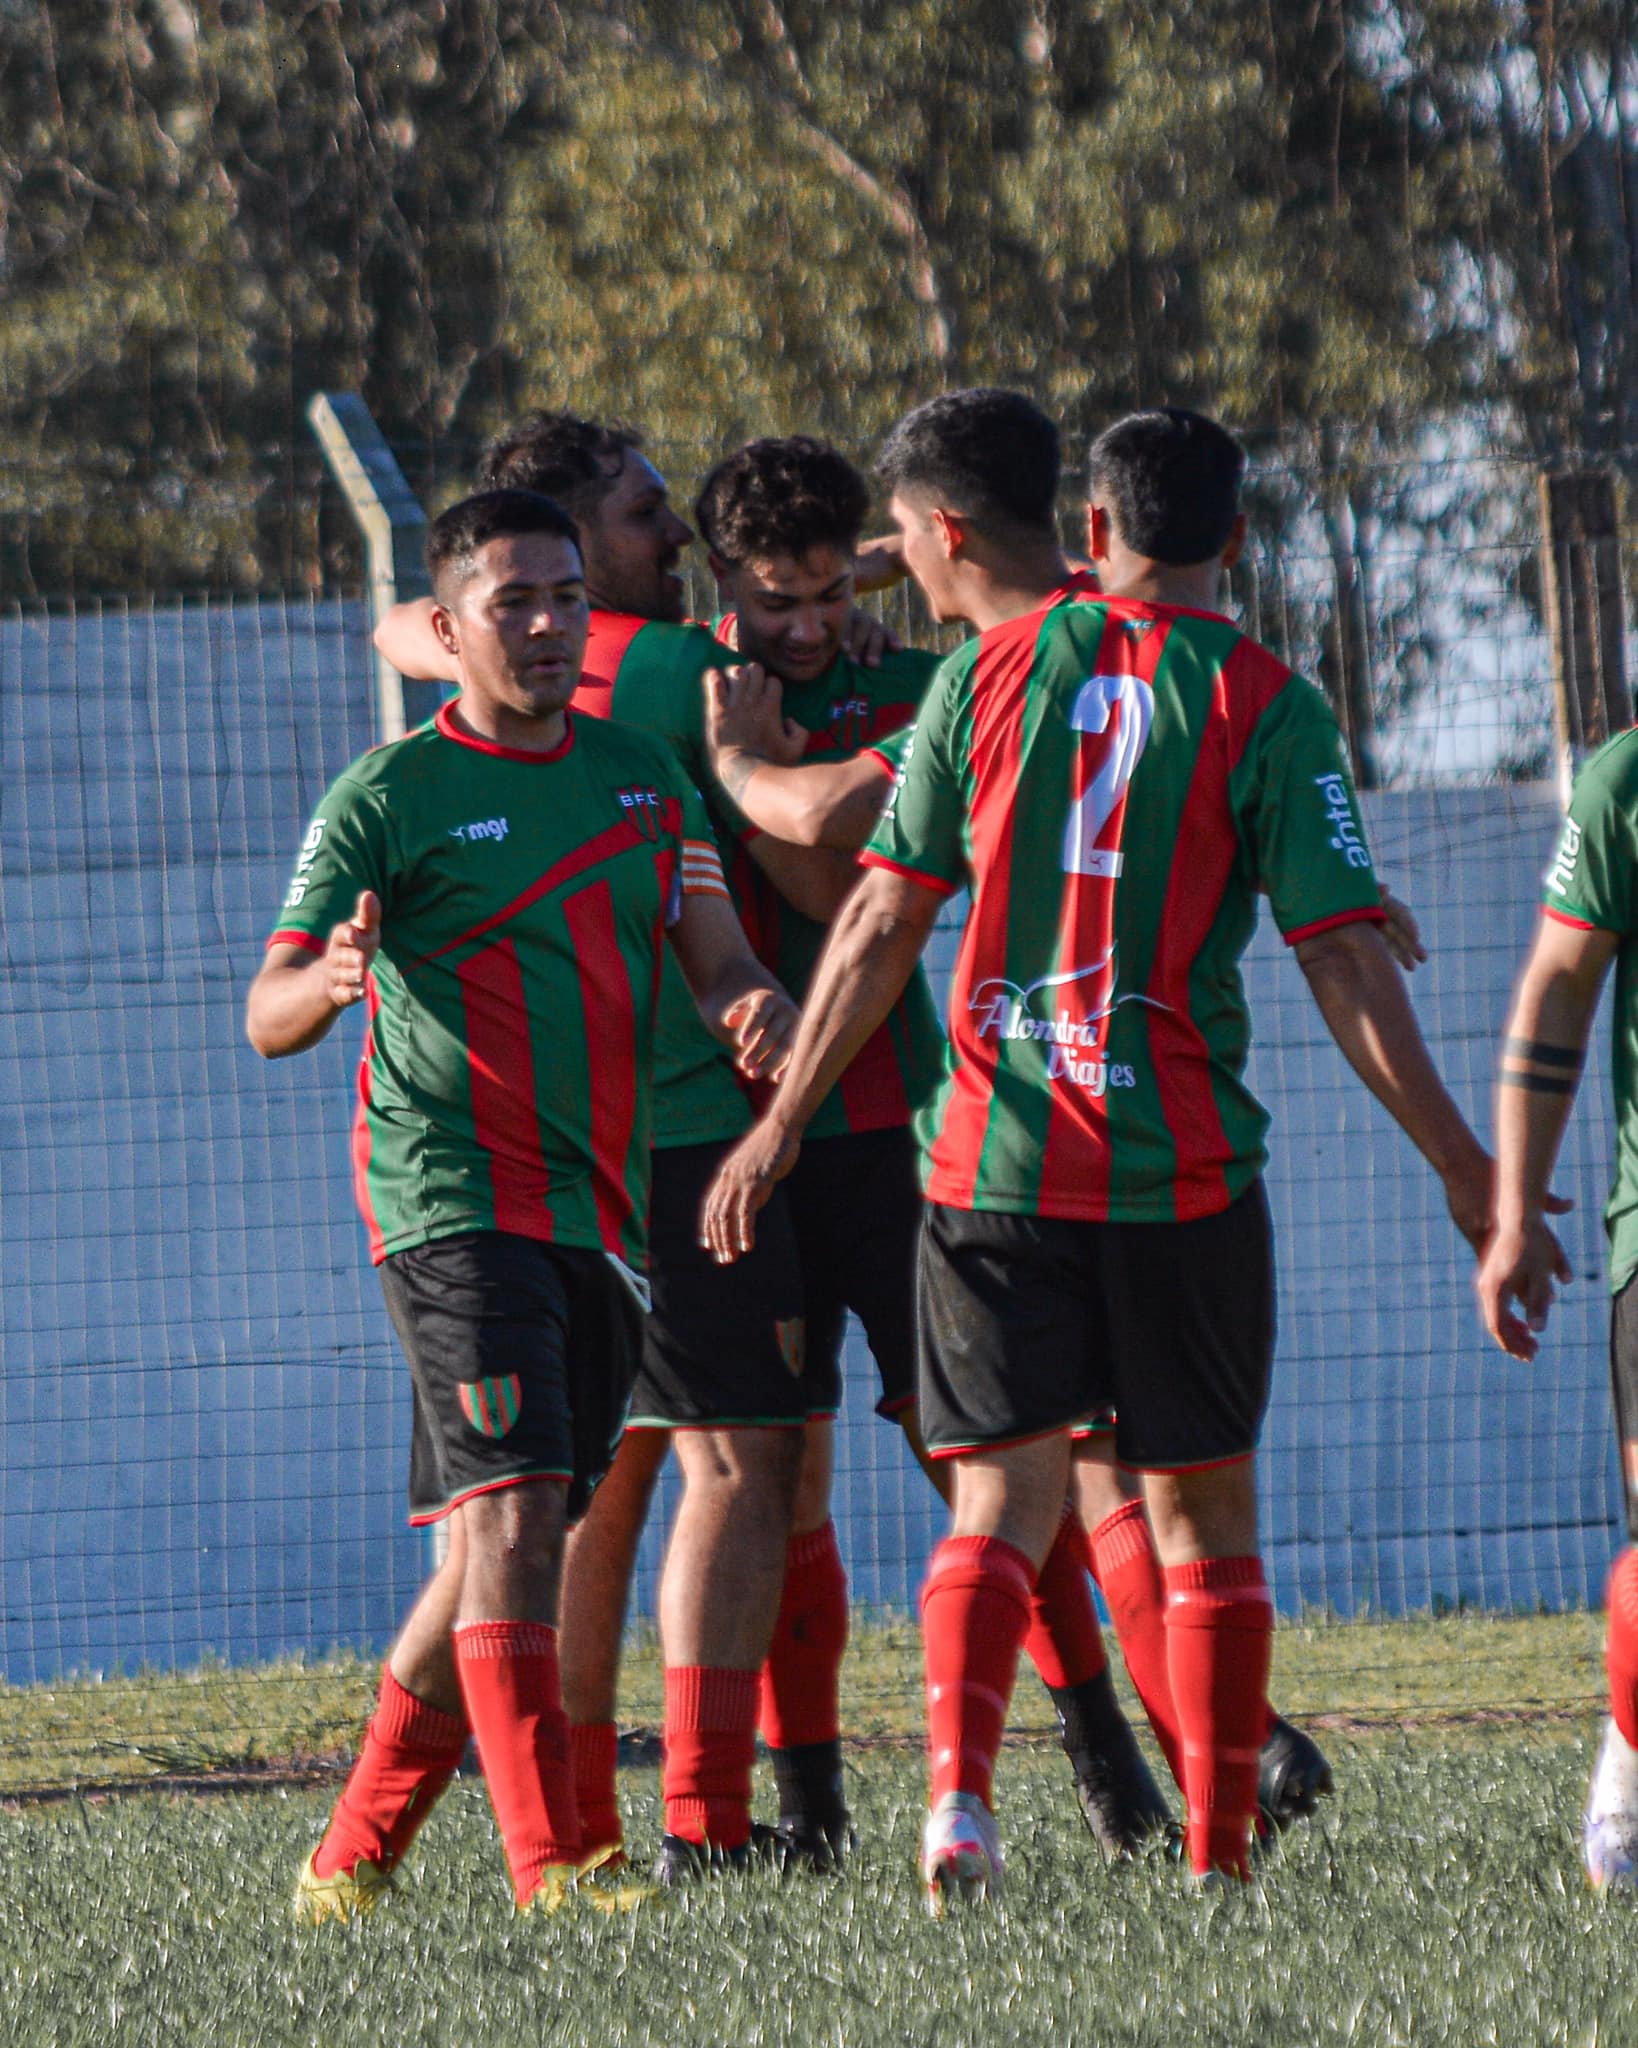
[521, 1525]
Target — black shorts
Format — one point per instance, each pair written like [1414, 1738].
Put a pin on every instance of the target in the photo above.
[856, 1206]
[521, 1358]
[723, 1345]
[1031, 1324]
[1624, 1387]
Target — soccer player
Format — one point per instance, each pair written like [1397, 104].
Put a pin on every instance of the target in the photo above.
[1589, 921]
[1112, 775]
[497, 887]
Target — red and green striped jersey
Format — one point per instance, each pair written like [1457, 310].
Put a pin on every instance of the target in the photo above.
[848, 710]
[1115, 782]
[651, 675]
[506, 1082]
[1592, 883]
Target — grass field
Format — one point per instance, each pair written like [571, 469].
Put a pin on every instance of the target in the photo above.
[1439, 1899]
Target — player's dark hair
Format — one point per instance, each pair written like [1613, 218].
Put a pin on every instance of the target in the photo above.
[1170, 480]
[456, 536]
[992, 456]
[782, 497]
[561, 455]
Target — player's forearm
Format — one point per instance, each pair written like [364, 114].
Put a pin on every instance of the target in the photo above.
[869, 957]
[730, 982]
[288, 1010]
[1542, 1054]
[829, 804]
[1367, 1010]
[811, 879]
[406, 638]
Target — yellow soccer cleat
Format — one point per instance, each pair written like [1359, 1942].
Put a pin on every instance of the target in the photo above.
[348, 1895]
[601, 1882]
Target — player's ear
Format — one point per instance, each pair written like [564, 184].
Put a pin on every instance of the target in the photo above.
[721, 569]
[1236, 541]
[444, 627]
[951, 533]
[1097, 533]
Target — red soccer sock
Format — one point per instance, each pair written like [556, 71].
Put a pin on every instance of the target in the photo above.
[710, 1741]
[801, 1677]
[410, 1753]
[1621, 1653]
[974, 1615]
[1127, 1569]
[594, 1747]
[1219, 1632]
[1064, 1642]
[508, 1672]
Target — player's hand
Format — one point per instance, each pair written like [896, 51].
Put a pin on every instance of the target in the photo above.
[1401, 931]
[865, 639]
[744, 715]
[744, 1182]
[351, 952]
[878, 564]
[1470, 1197]
[764, 1027]
[1519, 1265]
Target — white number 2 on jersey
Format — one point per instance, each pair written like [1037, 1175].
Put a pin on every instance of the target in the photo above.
[1094, 711]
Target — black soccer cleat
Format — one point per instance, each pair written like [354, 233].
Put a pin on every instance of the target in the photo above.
[682, 1862]
[795, 1845]
[1292, 1778]
[1122, 1805]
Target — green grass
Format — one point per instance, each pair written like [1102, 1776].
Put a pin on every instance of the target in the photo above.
[1440, 1901]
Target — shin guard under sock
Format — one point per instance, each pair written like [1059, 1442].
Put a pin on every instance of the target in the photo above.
[509, 1680]
[974, 1615]
[410, 1753]
[1064, 1642]
[1219, 1632]
[710, 1743]
[594, 1747]
[1127, 1569]
[1621, 1653]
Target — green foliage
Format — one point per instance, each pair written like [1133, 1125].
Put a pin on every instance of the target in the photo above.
[1328, 220]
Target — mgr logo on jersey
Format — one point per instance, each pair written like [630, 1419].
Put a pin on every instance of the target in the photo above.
[642, 808]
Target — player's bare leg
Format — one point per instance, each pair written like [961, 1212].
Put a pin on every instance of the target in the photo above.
[719, 1594]
[1219, 1628]
[599, 1560]
[412, 1748]
[800, 1710]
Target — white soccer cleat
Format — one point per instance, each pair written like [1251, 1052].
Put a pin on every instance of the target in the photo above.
[1609, 1840]
[960, 1852]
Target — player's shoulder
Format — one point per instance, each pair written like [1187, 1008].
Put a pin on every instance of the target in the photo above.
[619, 746]
[686, 649]
[393, 764]
[1609, 776]
[902, 671]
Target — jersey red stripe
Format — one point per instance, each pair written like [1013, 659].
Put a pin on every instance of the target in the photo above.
[607, 643]
[603, 847]
[504, 1118]
[1248, 683]
[611, 1046]
[1077, 1136]
[361, 1130]
[999, 681]
[1296, 936]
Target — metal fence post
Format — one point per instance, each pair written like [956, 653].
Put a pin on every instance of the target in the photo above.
[394, 527]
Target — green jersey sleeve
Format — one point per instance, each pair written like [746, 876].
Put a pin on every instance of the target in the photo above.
[1299, 817]
[345, 850]
[1593, 875]
[923, 827]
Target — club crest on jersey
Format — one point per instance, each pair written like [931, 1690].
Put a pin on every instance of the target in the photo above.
[642, 808]
[850, 723]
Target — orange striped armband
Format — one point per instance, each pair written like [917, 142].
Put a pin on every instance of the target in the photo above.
[702, 869]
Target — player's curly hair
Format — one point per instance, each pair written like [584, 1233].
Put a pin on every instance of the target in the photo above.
[990, 455]
[782, 497]
[1170, 480]
[561, 455]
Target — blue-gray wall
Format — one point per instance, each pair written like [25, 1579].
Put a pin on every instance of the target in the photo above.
[202, 1418]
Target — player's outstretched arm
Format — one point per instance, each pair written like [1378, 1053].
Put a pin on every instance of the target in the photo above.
[1543, 1046]
[1363, 999]
[406, 638]
[741, 1002]
[871, 953]
[298, 994]
[756, 754]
